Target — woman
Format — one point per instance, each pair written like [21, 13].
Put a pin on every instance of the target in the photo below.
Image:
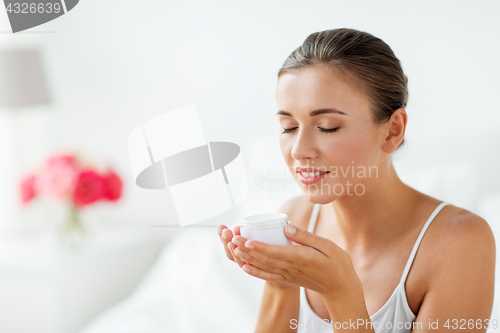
[341, 99]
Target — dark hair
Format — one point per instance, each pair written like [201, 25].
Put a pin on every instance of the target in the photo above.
[366, 60]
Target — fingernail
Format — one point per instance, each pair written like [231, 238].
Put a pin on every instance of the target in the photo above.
[224, 235]
[236, 242]
[239, 253]
[249, 245]
[246, 270]
[291, 229]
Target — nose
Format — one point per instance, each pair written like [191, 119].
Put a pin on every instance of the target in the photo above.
[304, 147]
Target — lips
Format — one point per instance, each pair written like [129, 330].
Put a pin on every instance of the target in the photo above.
[317, 176]
[312, 174]
[298, 169]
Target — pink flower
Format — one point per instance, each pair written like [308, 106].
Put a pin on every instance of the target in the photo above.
[57, 178]
[88, 189]
[64, 159]
[63, 177]
[112, 186]
[28, 190]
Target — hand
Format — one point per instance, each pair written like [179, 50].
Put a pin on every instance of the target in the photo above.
[226, 235]
[315, 262]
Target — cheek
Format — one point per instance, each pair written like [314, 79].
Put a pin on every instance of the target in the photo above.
[358, 146]
[286, 142]
[286, 147]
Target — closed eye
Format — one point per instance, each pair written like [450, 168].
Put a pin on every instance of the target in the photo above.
[324, 130]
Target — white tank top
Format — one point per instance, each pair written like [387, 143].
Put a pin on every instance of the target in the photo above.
[395, 316]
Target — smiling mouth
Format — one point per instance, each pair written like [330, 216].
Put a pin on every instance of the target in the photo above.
[312, 174]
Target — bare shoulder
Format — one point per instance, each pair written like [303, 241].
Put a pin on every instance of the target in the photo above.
[459, 256]
[298, 210]
[460, 228]
[457, 239]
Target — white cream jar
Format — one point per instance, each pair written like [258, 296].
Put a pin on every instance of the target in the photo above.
[267, 228]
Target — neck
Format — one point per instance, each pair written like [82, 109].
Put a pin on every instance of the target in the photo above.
[376, 217]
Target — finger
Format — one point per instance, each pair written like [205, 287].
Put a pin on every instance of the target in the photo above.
[248, 259]
[258, 273]
[220, 228]
[237, 231]
[304, 237]
[234, 250]
[259, 259]
[226, 236]
[272, 251]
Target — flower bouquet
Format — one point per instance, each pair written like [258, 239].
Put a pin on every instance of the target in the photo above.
[64, 178]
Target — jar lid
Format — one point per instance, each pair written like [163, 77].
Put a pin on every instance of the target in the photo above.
[265, 221]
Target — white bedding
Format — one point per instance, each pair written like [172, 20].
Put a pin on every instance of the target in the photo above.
[192, 287]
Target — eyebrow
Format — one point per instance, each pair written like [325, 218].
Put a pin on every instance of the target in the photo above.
[313, 113]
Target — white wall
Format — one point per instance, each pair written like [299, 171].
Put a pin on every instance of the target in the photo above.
[114, 64]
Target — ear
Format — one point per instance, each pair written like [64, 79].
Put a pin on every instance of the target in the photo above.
[395, 130]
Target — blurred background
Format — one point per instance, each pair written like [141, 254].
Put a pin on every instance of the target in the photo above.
[108, 66]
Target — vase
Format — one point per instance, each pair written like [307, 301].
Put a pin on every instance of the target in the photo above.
[73, 233]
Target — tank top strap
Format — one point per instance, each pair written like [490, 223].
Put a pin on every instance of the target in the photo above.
[314, 218]
[419, 239]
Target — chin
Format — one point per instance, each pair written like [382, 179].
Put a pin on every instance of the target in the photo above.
[319, 198]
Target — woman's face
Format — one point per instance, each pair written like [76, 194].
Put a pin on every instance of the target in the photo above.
[352, 153]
